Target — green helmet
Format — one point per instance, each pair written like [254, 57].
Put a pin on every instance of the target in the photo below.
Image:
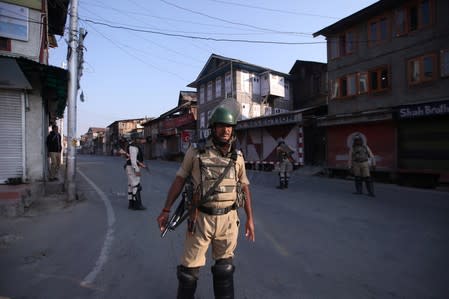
[221, 115]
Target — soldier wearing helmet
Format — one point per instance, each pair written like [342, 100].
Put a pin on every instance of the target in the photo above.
[213, 219]
[284, 153]
[359, 161]
[133, 166]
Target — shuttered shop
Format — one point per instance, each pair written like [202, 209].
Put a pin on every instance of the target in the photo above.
[423, 144]
[11, 139]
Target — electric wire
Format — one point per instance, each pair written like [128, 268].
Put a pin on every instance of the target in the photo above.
[230, 22]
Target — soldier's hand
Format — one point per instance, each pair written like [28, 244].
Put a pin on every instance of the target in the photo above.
[162, 220]
[249, 231]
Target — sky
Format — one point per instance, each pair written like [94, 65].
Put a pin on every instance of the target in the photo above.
[140, 54]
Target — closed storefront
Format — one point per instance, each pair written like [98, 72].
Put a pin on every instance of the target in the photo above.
[423, 139]
[380, 137]
[11, 135]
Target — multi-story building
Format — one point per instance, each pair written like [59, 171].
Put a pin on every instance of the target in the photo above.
[259, 92]
[93, 142]
[169, 135]
[309, 86]
[388, 69]
[120, 129]
[33, 94]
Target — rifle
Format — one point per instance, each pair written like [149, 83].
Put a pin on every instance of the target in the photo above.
[140, 164]
[180, 213]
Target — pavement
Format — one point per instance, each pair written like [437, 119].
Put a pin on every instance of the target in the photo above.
[15, 200]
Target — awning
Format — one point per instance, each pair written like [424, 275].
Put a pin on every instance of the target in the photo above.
[54, 83]
[18, 72]
[11, 76]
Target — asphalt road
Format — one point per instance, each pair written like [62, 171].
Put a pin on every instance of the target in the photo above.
[314, 240]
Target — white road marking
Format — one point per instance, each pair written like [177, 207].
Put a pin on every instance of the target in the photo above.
[109, 238]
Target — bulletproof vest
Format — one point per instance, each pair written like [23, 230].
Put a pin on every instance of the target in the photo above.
[283, 151]
[212, 164]
[359, 153]
[139, 153]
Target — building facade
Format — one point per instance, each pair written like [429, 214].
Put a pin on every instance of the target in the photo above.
[388, 70]
[169, 135]
[33, 94]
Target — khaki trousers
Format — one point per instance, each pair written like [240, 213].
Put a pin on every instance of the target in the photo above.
[361, 169]
[220, 231]
[55, 164]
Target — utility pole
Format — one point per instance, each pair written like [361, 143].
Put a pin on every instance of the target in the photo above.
[71, 101]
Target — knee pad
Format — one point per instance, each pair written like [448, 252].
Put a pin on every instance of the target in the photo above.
[223, 268]
[187, 275]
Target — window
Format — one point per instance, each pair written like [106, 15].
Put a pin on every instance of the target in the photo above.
[378, 30]
[444, 63]
[218, 87]
[335, 87]
[378, 79]
[415, 16]
[202, 95]
[400, 23]
[228, 84]
[5, 44]
[422, 69]
[202, 121]
[350, 42]
[209, 91]
[363, 82]
[333, 46]
[351, 84]
[342, 45]
[359, 83]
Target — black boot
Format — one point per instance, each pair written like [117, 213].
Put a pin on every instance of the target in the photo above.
[369, 186]
[187, 278]
[358, 181]
[281, 183]
[223, 277]
[131, 204]
[138, 202]
[286, 183]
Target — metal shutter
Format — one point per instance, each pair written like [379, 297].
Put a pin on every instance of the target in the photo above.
[11, 151]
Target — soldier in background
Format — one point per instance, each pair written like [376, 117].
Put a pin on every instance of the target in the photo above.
[360, 156]
[284, 154]
[133, 166]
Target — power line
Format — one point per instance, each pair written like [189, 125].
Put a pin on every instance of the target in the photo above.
[272, 9]
[199, 37]
[230, 22]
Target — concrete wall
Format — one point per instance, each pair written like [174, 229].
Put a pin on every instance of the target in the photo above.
[35, 138]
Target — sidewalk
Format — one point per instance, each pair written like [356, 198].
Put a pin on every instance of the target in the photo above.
[16, 199]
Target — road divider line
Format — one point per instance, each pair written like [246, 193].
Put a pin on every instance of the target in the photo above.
[109, 238]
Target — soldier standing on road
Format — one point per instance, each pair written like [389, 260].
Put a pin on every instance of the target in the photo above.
[284, 154]
[360, 156]
[213, 219]
[133, 166]
[54, 148]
